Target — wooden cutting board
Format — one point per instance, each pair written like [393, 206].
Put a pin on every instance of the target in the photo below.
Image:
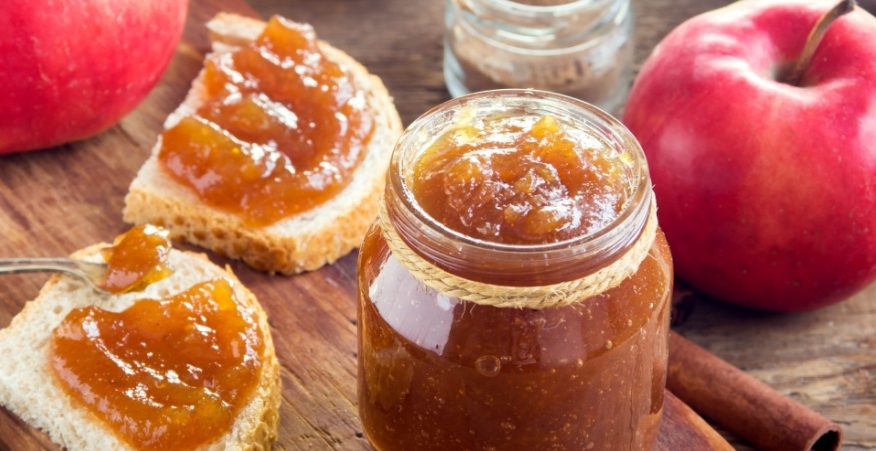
[55, 201]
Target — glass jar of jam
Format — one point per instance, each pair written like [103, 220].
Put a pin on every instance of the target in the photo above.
[582, 48]
[522, 193]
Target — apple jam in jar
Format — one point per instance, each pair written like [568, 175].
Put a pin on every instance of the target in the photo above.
[514, 293]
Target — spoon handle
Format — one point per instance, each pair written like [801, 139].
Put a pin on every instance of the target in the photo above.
[91, 272]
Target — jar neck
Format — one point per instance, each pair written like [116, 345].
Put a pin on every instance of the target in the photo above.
[506, 264]
[540, 26]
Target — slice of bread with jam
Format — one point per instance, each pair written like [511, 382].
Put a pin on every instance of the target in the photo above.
[300, 242]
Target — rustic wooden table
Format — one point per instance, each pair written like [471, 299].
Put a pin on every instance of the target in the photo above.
[53, 202]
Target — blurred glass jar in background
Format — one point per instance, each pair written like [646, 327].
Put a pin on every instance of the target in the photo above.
[582, 48]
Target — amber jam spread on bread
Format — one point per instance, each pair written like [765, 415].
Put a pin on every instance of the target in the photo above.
[283, 129]
[163, 374]
[519, 180]
[136, 259]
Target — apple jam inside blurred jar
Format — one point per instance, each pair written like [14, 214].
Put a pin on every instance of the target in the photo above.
[514, 293]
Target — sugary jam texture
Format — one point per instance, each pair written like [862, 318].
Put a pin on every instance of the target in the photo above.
[282, 132]
[163, 374]
[137, 258]
[520, 180]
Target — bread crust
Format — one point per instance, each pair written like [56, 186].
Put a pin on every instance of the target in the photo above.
[28, 389]
[300, 243]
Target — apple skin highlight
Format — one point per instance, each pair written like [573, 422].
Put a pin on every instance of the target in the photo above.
[70, 69]
[766, 190]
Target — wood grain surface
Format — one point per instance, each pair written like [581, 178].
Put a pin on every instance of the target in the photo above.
[55, 201]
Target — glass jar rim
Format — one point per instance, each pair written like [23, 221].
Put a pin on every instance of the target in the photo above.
[641, 188]
[517, 7]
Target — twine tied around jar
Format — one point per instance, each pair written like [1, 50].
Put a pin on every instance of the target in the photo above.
[534, 297]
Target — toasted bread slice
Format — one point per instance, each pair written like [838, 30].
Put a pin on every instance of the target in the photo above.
[299, 243]
[28, 388]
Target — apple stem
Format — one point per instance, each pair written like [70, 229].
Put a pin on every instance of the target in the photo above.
[795, 75]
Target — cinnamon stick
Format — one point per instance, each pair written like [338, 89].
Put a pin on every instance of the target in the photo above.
[682, 428]
[744, 405]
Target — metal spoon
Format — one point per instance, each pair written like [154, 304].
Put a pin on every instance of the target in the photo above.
[93, 273]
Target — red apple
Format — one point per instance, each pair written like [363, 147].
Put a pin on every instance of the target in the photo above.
[766, 186]
[72, 68]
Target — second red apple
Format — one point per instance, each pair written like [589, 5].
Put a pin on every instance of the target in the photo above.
[766, 186]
